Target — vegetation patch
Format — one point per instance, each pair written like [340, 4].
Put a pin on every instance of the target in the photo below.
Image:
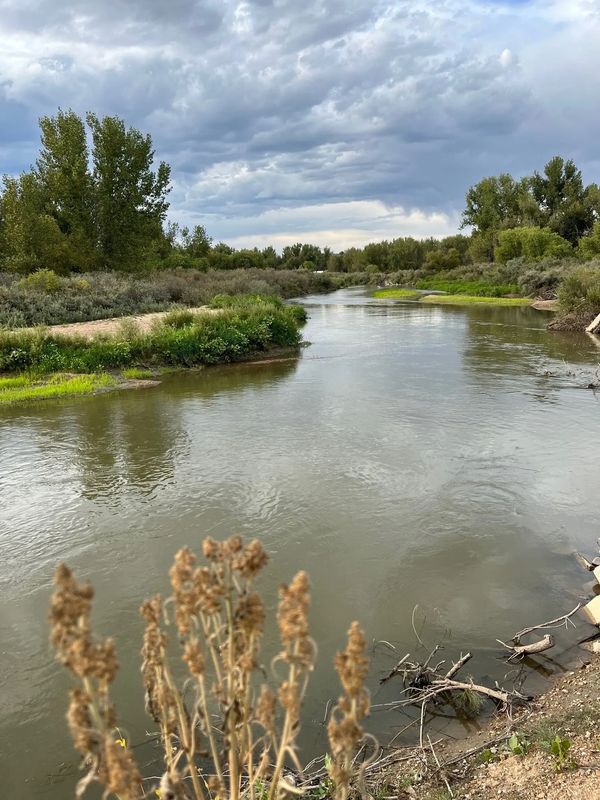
[466, 300]
[25, 388]
[470, 288]
[397, 294]
[137, 374]
[233, 335]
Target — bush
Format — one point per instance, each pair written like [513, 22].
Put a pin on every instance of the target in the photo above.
[580, 292]
[102, 294]
[532, 244]
[194, 339]
[44, 280]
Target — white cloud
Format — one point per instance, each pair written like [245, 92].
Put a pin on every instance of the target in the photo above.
[334, 225]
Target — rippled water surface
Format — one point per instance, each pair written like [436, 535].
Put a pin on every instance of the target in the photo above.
[412, 455]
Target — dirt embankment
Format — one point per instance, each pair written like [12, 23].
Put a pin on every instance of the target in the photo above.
[554, 753]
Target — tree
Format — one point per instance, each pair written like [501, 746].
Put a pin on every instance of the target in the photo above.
[589, 246]
[495, 203]
[130, 199]
[29, 238]
[66, 185]
[197, 242]
[531, 244]
[561, 198]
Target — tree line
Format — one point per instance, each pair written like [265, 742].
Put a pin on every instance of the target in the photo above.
[96, 200]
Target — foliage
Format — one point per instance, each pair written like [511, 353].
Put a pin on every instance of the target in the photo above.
[64, 217]
[473, 288]
[518, 745]
[560, 751]
[229, 335]
[108, 294]
[580, 291]
[224, 731]
[30, 387]
[530, 244]
[44, 280]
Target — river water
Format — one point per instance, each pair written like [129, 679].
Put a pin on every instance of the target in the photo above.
[413, 455]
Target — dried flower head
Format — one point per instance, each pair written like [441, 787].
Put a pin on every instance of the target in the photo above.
[119, 771]
[292, 619]
[251, 560]
[194, 657]
[250, 614]
[266, 708]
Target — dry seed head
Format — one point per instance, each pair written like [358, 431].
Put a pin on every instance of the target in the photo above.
[209, 589]
[119, 772]
[290, 699]
[194, 658]
[70, 603]
[250, 614]
[292, 613]
[232, 546]
[266, 708]
[85, 738]
[213, 551]
[186, 599]
[352, 666]
[171, 787]
[251, 560]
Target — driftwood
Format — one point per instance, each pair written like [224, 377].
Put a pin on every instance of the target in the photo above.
[521, 650]
[553, 623]
[594, 326]
[423, 684]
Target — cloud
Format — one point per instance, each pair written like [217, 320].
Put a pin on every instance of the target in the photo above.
[265, 106]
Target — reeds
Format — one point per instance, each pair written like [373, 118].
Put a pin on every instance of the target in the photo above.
[225, 732]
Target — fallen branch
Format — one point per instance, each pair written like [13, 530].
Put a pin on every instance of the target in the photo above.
[395, 670]
[520, 651]
[553, 623]
[459, 665]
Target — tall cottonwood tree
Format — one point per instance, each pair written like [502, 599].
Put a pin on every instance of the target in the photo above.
[130, 199]
[66, 184]
[85, 208]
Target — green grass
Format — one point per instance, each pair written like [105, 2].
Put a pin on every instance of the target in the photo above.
[466, 300]
[453, 299]
[232, 335]
[32, 387]
[397, 294]
[469, 288]
[137, 373]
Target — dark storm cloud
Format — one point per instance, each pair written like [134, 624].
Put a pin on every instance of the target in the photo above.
[276, 104]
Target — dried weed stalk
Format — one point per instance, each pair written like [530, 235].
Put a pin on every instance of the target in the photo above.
[225, 733]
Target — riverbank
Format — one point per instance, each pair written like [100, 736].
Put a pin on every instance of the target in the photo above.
[431, 296]
[45, 298]
[88, 357]
[547, 751]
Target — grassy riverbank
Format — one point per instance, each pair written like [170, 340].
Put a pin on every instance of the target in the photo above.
[450, 299]
[46, 364]
[31, 387]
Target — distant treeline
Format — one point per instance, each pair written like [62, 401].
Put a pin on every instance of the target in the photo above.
[96, 201]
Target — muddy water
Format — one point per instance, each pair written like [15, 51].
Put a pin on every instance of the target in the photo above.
[412, 456]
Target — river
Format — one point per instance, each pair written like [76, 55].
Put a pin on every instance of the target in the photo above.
[413, 455]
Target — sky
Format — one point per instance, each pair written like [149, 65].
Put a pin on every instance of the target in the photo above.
[335, 122]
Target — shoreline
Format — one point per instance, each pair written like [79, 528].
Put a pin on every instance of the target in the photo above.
[56, 385]
[548, 750]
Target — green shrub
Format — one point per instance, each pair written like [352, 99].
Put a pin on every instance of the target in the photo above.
[44, 280]
[532, 244]
[207, 339]
[580, 292]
